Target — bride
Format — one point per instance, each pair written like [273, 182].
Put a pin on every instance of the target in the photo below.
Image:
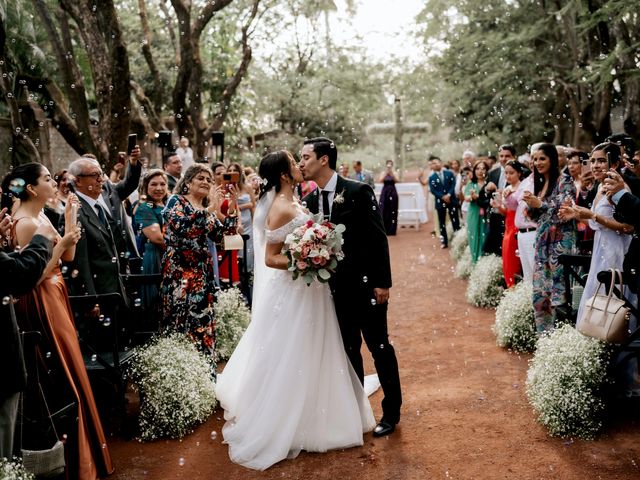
[289, 385]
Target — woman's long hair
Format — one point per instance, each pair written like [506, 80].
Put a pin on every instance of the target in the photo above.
[14, 184]
[474, 177]
[554, 170]
[238, 168]
[271, 167]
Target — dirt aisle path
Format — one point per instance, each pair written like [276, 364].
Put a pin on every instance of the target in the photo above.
[465, 414]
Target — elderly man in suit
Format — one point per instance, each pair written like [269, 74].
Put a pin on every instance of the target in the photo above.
[107, 241]
[442, 184]
[21, 271]
[361, 175]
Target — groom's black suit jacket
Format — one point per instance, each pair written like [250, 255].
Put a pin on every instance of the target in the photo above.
[366, 262]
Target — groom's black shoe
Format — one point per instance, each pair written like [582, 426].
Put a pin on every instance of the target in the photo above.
[384, 428]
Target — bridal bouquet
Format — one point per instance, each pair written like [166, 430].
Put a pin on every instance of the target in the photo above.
[314, 250]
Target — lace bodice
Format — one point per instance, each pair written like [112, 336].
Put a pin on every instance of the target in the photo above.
[279, 234]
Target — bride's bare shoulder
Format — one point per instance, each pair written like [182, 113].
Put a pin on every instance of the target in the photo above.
[281, 213]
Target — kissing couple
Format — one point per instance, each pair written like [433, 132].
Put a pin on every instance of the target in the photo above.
[292, 384]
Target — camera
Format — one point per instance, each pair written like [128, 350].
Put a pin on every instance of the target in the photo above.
[231, 177]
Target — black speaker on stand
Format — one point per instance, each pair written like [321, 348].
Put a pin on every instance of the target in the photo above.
[217, 143]
[164, 142]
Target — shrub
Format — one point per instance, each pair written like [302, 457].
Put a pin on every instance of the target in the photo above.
[14, 470]
[459, 243]
[464, 265]
[486, 282]
[175, 384]
[515, 326]
[232, 319]
[565, 380]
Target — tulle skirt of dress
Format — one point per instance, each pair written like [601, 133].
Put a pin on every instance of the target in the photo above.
[289, 385]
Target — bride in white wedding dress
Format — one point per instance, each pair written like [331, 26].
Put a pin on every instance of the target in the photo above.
[289, 385]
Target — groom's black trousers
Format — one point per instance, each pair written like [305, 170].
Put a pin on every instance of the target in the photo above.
[356, 316]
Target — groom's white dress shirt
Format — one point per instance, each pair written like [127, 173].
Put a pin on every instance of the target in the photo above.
[331, 188]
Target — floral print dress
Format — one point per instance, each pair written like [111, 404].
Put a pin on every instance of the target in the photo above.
[553, 238]
[188, 283]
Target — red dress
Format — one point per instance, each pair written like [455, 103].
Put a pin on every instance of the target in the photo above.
[224, 256]
[510, 261]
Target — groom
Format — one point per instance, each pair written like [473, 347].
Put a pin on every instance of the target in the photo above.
[360, 286]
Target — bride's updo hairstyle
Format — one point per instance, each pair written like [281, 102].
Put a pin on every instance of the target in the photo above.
[271, 167]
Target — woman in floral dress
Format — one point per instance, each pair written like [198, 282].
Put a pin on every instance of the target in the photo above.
[188, 288]
[554, 237]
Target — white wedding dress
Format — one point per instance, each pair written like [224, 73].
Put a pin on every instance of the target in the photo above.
[289, 385]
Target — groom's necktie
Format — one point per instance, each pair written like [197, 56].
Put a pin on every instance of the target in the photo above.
[326, 209]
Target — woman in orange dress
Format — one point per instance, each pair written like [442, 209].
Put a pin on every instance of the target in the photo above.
[511, 267]
[33, 186]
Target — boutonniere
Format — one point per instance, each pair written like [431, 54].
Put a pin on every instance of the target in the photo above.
[339, 198]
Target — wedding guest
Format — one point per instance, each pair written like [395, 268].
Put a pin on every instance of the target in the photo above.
[526, 229]
[246, 202]
[576, 161]
[49, 303]
[185, 153]
[148, 224]
[442, 184]
[475, 195]
[511, 267]
[554, 236]
[612, 238]
[107, 232]
[389, 198]
[172, 166]
[253, 180]
[228, 214]
[361, 175]
[496, 181]
[188, 286]
[21, 271]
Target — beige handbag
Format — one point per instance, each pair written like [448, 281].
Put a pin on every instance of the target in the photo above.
[233, 242]
[605, 316]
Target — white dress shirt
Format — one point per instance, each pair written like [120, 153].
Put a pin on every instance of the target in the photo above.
[331, 188]
[93, 201]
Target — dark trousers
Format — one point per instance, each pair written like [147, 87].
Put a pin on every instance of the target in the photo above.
[454, 215]
[358, 319]
[495, 232]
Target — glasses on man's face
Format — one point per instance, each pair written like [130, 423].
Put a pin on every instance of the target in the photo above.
[96, 176]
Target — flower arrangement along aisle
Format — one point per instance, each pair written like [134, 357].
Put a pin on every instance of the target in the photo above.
[565, 380]
[515, 327]
[14, 470]
[314, 250]
[464, 265]
[232, 319]
[175, 385]
[486, 282]
[459, 243]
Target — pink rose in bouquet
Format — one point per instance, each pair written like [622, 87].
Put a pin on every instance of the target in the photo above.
[314, 250]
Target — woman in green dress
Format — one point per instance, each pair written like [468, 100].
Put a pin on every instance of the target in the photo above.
[475, 195]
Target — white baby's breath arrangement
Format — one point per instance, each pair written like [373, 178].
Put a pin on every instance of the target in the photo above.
[464, 265]
[515, 326]
[14, 470]
[565, 380]
[232, 319]
[486, 282]
[175, 384]
[459, 243]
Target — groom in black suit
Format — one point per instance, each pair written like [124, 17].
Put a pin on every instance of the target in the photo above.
[360, 286]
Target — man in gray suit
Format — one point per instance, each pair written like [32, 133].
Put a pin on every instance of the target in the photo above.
[361, 175]
[107, 238]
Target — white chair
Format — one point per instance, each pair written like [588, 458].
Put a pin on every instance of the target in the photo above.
[408, 210]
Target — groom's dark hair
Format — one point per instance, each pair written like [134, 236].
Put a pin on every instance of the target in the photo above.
[324, 146]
